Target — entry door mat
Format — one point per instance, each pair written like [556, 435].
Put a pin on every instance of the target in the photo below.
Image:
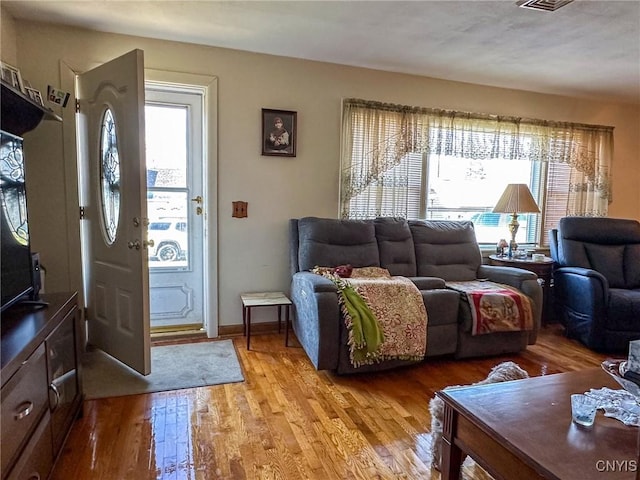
[173, 367]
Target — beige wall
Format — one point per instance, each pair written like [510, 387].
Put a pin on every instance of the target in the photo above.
[253, 252]
[8, 49]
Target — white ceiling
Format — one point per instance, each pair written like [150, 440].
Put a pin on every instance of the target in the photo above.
[588, 48]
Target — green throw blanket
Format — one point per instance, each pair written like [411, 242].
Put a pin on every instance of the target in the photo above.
[385, 316]
[365, 329]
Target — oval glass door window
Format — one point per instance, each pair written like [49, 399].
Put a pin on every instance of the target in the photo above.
[13, 194]
[109, 177]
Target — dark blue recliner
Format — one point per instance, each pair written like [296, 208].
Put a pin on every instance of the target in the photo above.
[597, 280]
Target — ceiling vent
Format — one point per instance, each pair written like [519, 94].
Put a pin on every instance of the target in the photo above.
[547, 5]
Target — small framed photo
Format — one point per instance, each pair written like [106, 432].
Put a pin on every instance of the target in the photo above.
[279, 135]
[11, 75]
[35, 95]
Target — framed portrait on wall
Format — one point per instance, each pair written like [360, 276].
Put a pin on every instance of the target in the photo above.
[279, 132]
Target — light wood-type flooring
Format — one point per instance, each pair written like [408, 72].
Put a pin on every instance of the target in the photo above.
[287, 420]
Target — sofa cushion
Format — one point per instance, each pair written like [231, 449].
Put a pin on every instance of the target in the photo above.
[370, 272]
[624, 310]
[395, 243]
[446, 249]
[330, 242]
[607, 259]
[631, 264]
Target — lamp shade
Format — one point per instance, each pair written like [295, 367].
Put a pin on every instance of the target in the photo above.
[516, 198]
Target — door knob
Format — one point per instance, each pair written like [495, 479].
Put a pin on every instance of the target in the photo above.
[148, 243]
[198, 199]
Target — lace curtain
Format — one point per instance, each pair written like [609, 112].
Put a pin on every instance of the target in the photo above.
[375, 137]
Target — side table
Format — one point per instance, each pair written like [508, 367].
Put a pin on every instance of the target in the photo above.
[544, 270]
[264, 299]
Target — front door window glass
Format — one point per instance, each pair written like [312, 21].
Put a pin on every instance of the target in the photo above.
[13, 193]
[109, 177]
[167, 140]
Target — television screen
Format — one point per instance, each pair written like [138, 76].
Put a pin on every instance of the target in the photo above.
[16, 267]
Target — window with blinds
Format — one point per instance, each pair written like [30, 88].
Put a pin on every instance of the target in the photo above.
[556, 198]
[428, 186]
[422, 163]
[399, 192]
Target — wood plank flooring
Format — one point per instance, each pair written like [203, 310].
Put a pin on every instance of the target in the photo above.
[288, 421]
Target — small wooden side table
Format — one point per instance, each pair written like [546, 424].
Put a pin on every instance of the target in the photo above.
[264, 299]
[544, 270]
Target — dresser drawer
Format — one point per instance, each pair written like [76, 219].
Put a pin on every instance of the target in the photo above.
[24, 400]
[36, 460]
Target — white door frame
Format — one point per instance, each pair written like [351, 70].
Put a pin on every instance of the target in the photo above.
[210, 193]
[210, 172]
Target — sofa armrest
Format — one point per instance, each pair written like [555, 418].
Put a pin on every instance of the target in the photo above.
[523, 280]
[312, 282]
[583, 290]
[507, 275]
[428, 283]
[583, 294]
[316, 322]
[583, 272]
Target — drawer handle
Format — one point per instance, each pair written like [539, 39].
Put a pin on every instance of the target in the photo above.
[54, 389]
[24, 410]
[35, 476]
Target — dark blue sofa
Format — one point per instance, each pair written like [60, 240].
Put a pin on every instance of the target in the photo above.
[597, 280]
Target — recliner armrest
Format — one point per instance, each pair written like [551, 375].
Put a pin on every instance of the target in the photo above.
[587, 272]
[583, 289]
[583, 295]
[316, 321]
[507, 275]
[312, 282]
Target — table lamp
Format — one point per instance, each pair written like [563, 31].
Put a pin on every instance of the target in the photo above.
[515, 199]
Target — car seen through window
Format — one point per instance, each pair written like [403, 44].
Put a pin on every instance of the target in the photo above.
[170, 241]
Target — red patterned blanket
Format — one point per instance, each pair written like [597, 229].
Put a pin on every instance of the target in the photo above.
[495, 307]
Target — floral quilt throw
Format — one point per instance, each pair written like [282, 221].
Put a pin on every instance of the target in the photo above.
[495, 307]
[384, 315]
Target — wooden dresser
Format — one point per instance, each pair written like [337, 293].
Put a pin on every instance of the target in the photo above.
[41, 384]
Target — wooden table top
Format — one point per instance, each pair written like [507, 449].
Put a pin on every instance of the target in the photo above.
[531, 418]
[521, 260]
[25, 326]
[264, 299]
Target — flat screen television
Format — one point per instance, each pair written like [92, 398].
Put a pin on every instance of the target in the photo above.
[16, 268]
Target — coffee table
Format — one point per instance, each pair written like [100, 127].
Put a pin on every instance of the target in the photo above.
[522, 429]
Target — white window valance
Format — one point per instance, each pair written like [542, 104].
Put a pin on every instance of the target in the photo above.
[376, 136]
